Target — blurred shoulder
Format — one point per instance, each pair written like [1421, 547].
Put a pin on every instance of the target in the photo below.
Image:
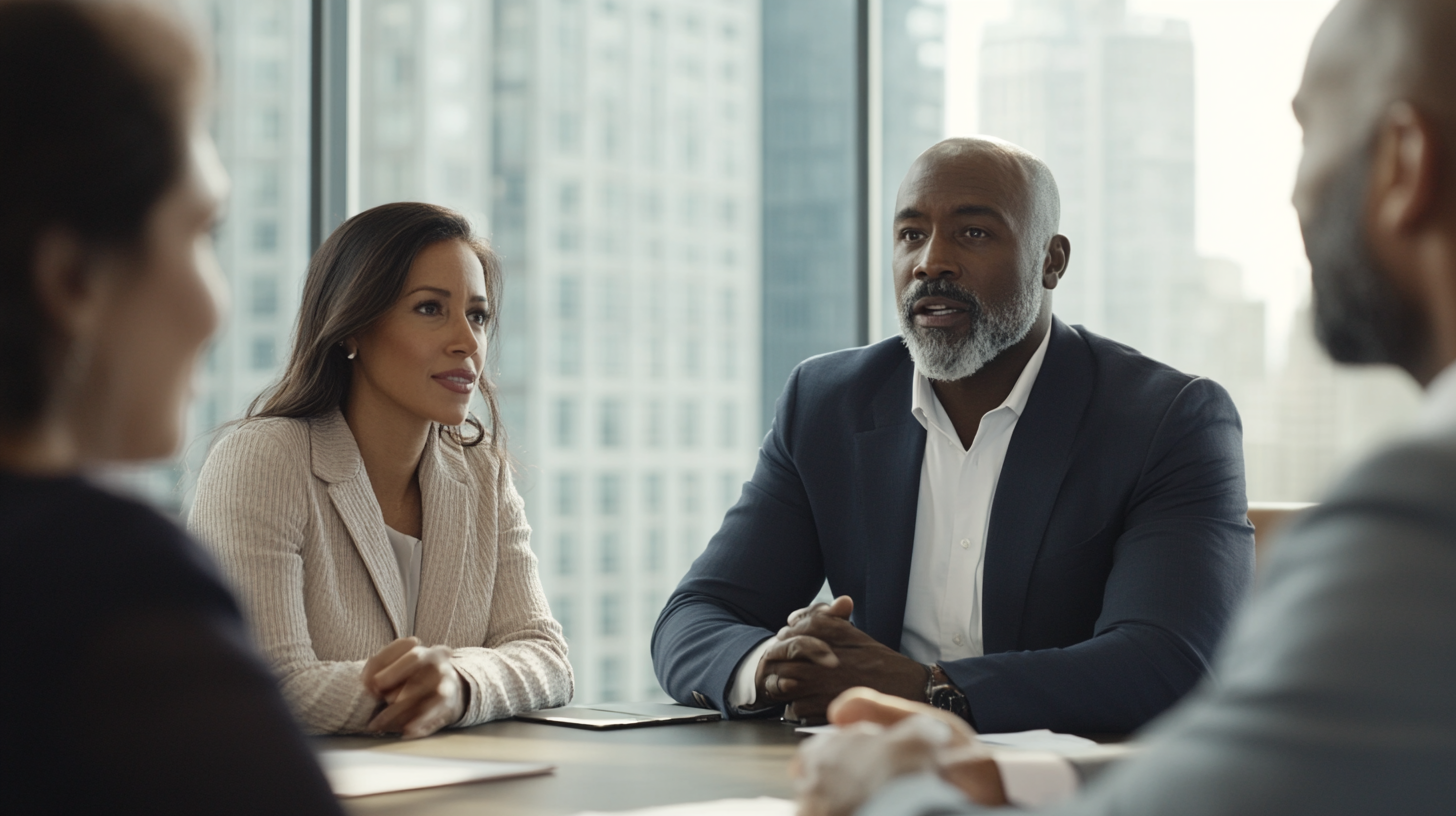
[69, 542]
[1414, 476]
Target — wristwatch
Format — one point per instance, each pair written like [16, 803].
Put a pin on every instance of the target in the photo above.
[943, 694]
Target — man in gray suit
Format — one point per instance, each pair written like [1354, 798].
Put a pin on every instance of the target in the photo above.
[1336, 690]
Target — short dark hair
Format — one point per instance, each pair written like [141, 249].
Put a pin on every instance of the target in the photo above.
[94, 107]
[353, 280]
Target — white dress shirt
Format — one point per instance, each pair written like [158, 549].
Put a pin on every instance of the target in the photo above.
[1439, 411]
[952, 515]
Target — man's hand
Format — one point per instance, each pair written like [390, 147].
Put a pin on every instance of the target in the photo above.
[820, 654]
[883, 737]
[421, 689]
[809, 649]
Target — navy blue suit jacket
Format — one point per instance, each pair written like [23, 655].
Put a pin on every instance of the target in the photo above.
[1117, 549]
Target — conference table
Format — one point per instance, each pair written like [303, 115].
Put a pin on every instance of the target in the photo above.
[595, 770]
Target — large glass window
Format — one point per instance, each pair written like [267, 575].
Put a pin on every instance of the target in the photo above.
[1168, 126]
[610, 152]
[690, 197]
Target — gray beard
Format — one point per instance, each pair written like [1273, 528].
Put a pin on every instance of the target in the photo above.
[939, 355]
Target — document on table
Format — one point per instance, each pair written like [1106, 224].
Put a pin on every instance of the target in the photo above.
[762, 806]
[365, 773]
[1039, 740]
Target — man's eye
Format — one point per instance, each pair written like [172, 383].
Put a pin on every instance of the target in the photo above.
[911, 235]
[976, 232]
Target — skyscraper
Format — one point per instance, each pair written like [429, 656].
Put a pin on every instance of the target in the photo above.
[424, 104]
[1106, 99]
[816, 164]
[811, 185]
[625, 188]
[260, 123]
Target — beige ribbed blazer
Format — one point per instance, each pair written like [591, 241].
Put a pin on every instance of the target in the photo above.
[287, 509]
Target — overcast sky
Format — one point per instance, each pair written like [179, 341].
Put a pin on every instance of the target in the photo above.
[1248, 55]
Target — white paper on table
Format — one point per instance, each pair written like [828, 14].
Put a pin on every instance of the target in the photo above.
[1039, 740]
[762, 806]
[365, 773]
[816, 729]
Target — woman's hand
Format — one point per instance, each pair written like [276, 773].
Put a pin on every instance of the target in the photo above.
[420, 687]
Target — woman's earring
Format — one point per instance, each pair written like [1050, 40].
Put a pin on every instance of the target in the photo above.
[351, 355]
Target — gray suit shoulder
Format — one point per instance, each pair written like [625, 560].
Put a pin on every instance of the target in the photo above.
[1416, 473]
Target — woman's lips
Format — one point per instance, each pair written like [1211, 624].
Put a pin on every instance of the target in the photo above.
[460, 381]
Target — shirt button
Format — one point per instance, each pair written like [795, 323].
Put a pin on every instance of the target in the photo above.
[965, 543]
[957, 640]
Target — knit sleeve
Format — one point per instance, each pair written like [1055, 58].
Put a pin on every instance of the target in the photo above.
[522, 664]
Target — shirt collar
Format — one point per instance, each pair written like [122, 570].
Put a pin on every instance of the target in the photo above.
[1439, 411]
[924, 405]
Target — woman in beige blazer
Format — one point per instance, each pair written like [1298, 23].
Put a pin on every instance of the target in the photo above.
[366, 520]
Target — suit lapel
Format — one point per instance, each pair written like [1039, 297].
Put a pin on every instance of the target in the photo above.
[1031, 477]
[887, 461]
[336, 460]
[450, 522]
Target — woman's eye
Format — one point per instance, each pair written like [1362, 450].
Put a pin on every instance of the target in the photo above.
[429, 307]
[479, 318]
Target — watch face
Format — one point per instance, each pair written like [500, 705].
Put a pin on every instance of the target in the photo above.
[947, 699]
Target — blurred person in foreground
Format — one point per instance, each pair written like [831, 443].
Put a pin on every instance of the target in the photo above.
[1334, 694]
[365, 519]
[130, 683]
[1027, 524]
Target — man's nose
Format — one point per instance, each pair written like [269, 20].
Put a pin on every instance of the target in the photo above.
[936, 260]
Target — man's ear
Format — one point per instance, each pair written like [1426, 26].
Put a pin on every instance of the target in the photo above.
[1054, 262]
[68, 284]
[1404, 173]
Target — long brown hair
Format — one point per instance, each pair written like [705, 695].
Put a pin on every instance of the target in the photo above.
[353, 280]
[95, 100]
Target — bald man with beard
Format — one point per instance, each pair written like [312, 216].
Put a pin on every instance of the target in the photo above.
[1336, 693]
[1028, 525]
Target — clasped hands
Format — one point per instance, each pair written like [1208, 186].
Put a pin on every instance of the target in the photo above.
[820, 654]
[419, 689]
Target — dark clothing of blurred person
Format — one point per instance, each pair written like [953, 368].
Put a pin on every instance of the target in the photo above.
[130, 685]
